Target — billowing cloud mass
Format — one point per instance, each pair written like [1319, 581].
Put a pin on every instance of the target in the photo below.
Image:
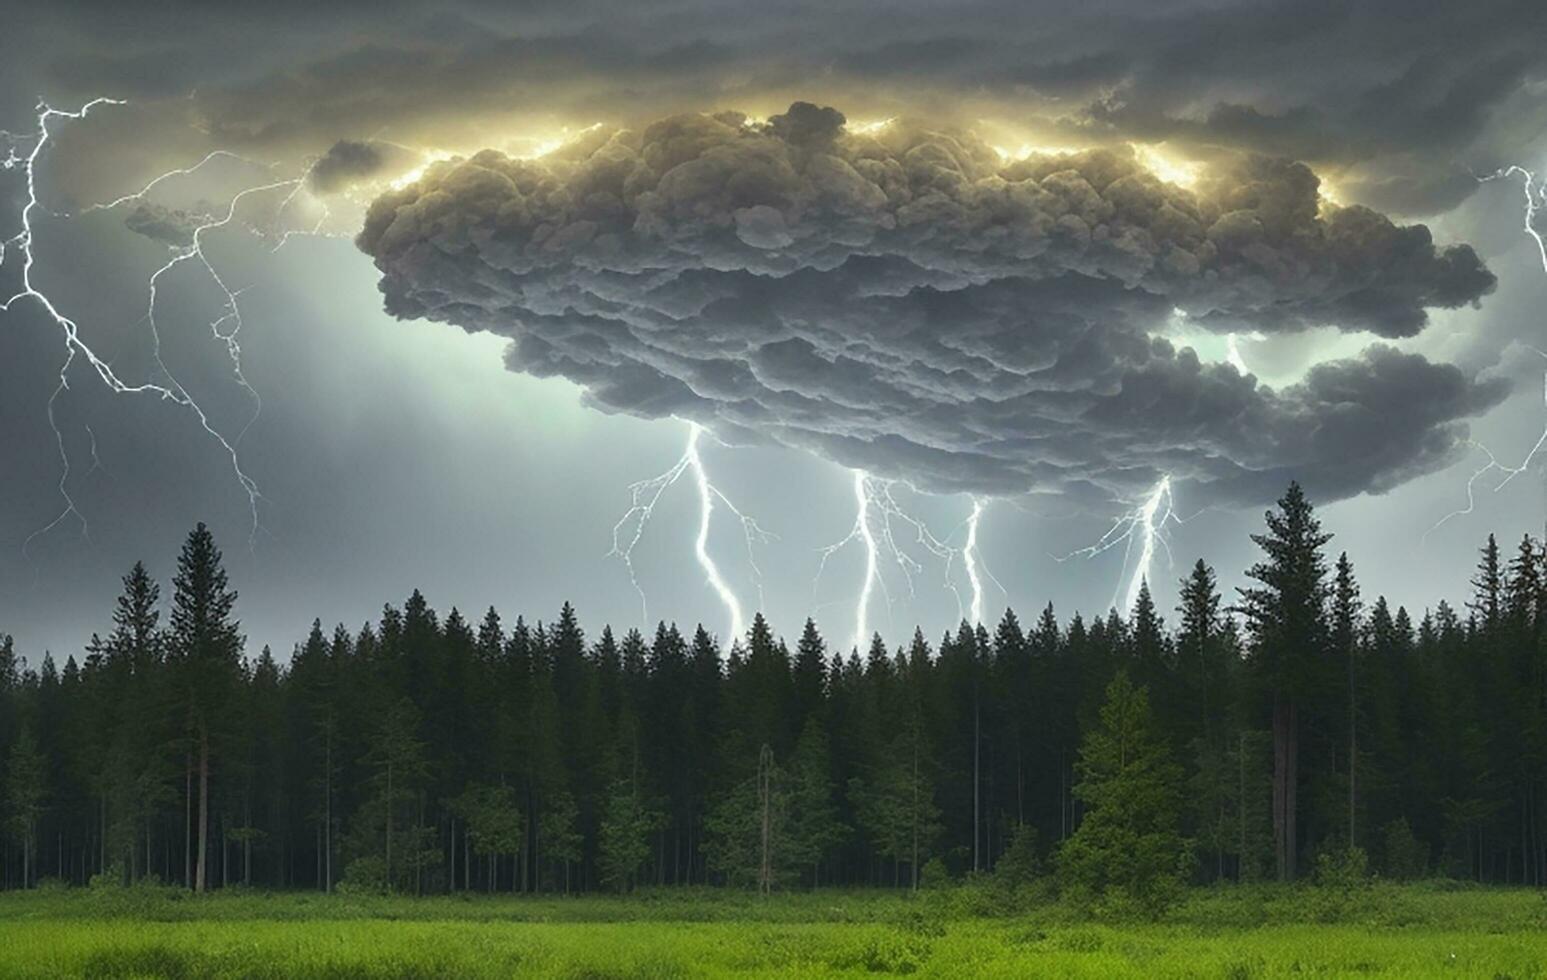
[907, 301]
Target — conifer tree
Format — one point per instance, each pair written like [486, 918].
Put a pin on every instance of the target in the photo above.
[815, 828]
[1487, 600]
[1345, 628]
[623, 844]
[207, 643]
[1128, 850]
[26, 789]
[1285, 614]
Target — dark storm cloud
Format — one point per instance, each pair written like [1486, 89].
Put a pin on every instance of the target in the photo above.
[345, 161]
[1402, 101]
[907, 302]
[349, 161]
[1408, 99]
[169, 226]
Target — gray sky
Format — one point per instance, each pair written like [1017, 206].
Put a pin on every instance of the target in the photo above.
[400, 453]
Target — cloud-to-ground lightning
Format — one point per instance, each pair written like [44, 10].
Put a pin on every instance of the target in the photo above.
[1535, 197]
[877, 514]
[973, 562]
[1147, 523]
[225, 328]
[645, 494]
[862, 533]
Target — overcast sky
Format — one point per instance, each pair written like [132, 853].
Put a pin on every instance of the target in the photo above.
[934, 300]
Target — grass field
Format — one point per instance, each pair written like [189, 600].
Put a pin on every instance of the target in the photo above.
[1420, 930]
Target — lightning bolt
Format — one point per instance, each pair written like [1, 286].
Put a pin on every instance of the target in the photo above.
[645, 494]
[859, 532]
[973, 562]
[225, 328]
[1494, 466]
[1534, 196]
[878, 519]
[1147, 523]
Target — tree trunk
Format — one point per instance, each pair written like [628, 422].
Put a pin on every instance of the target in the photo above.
[915, 869]
[327, 813]
[200, 870]
[1283, 797]
[1291, 792]
[1065, 809]
[977, 750]
[247, 841]
[1020, 786]
[765, 794]
[188, 820]
[1240, 869]
[389, 824]
[1353, 749]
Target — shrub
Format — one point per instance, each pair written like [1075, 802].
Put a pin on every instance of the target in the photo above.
[364, 876]
[1020, 865]
[934, 875]
[1342, 886]
[1343, 869]
[110, 877]
[1407, 857]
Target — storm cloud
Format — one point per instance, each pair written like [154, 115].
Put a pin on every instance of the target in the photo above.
[1401, 102]
[171, 227]
[907, 301]
[349, 161]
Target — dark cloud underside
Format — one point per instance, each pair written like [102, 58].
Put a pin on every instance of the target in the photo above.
[907, 302]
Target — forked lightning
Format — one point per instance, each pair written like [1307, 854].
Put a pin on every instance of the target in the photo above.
[1147, 523]
[645, 494]
[225, 328]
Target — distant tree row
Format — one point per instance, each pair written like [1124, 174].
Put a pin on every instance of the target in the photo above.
[428, 754]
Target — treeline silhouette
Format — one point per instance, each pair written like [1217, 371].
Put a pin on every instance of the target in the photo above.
[428, 754]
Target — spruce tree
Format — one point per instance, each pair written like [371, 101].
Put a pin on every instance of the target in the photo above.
[809, 675]
[1487, 600]
[1128, 851]
[815, 828]
[1284, 612]
[1344, 642]
[207, 643]
[623, 843]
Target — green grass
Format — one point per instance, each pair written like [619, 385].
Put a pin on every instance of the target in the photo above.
[1421, 930]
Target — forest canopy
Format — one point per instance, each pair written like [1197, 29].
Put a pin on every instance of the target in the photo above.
[1245, 737]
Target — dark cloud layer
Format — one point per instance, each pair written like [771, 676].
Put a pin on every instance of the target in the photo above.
[1402, 100]
[907, 302]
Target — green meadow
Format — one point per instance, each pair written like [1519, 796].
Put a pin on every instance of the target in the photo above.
[1379, 930]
